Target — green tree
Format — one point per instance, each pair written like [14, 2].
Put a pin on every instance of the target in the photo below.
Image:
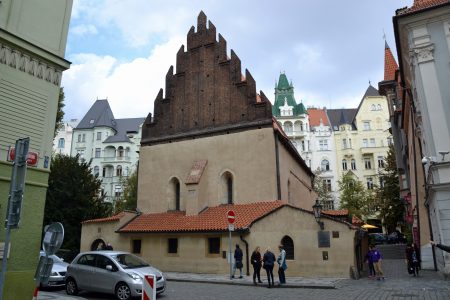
[60, 113]
[129, 198]
[323, 192]
[355, 197]
[73, 196]
[389, 205]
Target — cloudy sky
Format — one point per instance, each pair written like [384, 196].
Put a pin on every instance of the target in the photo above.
[121, 50]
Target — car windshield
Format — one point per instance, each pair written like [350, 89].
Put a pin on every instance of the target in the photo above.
[129, 261]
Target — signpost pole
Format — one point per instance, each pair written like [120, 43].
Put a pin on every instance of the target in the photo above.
[231, 216]
[14, 201]
[229, 253]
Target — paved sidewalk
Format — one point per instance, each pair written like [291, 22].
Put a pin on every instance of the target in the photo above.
[291, 282]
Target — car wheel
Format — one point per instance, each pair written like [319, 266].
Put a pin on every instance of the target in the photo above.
[123, 291]
[71, 287]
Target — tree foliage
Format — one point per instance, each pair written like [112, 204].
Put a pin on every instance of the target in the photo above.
[59, 113]
[72, 197]
[389, 205]
[355, 197]
[129, 198]
[323, 193]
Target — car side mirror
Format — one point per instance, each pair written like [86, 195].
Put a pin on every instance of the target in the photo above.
[110, 268]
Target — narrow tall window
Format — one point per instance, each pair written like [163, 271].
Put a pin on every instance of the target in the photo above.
[344, 143]
[367, 163]
[353, 164]
[344, 164]
[97, 152]
[99, 136]
[96, 171]
[119, 170]
[174, 194]
[325, 165]
[372, 143]
[380, 162]
[177, 195]
[366, 125]
[230, 190]
[369, 183]
[327, 184]
[61, 143]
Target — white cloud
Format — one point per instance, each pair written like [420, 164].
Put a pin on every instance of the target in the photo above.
[130, 87]
[82, 30]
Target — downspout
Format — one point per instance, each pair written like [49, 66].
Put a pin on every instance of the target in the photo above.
[247, 267]
[415, 164]
[277, 165]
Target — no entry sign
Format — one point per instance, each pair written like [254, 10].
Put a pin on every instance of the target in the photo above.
[149, 287]
[231, 216]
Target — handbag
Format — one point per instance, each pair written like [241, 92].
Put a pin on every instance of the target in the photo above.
[239, 264]
[284, 266]
[410, 270]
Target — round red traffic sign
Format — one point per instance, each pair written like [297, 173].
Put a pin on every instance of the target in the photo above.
[231, 216]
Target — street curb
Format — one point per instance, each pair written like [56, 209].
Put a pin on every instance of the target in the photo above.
[298, 286]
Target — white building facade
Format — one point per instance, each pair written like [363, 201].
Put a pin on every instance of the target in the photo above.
[112, 145]
[62, 144]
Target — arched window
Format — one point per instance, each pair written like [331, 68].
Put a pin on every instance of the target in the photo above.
[344, 164]
[227, 188]
[288, 244]
[96, 171]
[379, 106]
[289, 191]
[373, 107]
[119, 170]
[353, 164]
[325, 165]
[120, 152]
[174, 194]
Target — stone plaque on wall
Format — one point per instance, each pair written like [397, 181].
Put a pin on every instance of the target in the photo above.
[323, 238]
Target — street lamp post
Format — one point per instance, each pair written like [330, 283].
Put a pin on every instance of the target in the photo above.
[317, 208]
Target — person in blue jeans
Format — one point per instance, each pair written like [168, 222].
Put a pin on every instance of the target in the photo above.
[237, 261]
[370, 263]
[268, 262]
[281, 260]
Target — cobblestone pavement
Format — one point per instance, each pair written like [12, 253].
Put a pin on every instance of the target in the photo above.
[397, 285]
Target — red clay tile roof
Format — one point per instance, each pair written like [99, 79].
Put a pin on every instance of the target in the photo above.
[356, 220]
[317, 114]
[421, 5]
[341, 212]
[390, 65]
[108, 219]
[212, 219]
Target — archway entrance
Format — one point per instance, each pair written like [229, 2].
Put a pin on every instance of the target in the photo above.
[96, 243]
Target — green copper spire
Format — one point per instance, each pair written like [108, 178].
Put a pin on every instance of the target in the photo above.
[284, 92]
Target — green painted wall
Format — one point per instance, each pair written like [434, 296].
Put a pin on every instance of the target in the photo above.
[26, 240]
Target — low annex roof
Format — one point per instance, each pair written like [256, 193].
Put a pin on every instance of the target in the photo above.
[114, 218]
[420, 5]
[211, 219]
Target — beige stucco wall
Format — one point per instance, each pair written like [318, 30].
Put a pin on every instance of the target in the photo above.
[106, 232]
[193, 254]
[299, 193]
[248, 155]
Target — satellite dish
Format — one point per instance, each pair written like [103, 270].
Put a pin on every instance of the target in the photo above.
[53, 238]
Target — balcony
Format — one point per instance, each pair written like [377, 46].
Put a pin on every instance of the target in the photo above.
[296, 133]
[348, 152]
[116, 159]
[368, 150]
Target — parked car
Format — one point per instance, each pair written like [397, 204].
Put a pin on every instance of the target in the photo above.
[112, 272]
[377, 238]
[396, 237]
[59, 270]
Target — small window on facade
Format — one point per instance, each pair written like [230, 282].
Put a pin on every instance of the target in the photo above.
[380, 162]
[344, 143]
[365, 143]
[389, 141]
[99, 136]
[61, 143]
[344, 164]
[177, 195]
[288, 244]
[118, 190]
[104, 172]
[379, 106]
[327, 185]
[119, 170]
[366, 125]
[120, 152]
[303, 145]
[230, 190]
[96, 171]
[372, 143]
[91, 121]
[350, 143]
[325, 165]
[136, 245]
[369, 183]
[353, 164]
[373, 107]
[79, 138]
[172, 245]
[323, 145]
[214, 245]
[83, 138]
[335, 234]
[367, 163]
[97, 152]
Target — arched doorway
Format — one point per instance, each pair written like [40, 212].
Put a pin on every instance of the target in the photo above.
[288, 244]
[95, 244]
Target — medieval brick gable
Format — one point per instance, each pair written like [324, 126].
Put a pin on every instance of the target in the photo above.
[207, 95]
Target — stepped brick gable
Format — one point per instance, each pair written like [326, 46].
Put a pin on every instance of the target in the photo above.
[207, 95]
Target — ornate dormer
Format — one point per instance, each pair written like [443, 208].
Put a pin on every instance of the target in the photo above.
[286, 110]
[207, 95]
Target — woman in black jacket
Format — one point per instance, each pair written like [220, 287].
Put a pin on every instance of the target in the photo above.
[268, 262]
[440, 246]
[256, 263]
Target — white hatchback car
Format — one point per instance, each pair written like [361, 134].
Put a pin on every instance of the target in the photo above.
[113, 272]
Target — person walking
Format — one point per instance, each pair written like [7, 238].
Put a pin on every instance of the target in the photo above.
[109, 247]
[440, 246]
[376, 258]
[412, 259]
[369, 261]
[281, 260]
[237, 261]
[268, 262]
[256, 263]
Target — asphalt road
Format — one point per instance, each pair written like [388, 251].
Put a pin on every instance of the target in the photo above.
[415, 288]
